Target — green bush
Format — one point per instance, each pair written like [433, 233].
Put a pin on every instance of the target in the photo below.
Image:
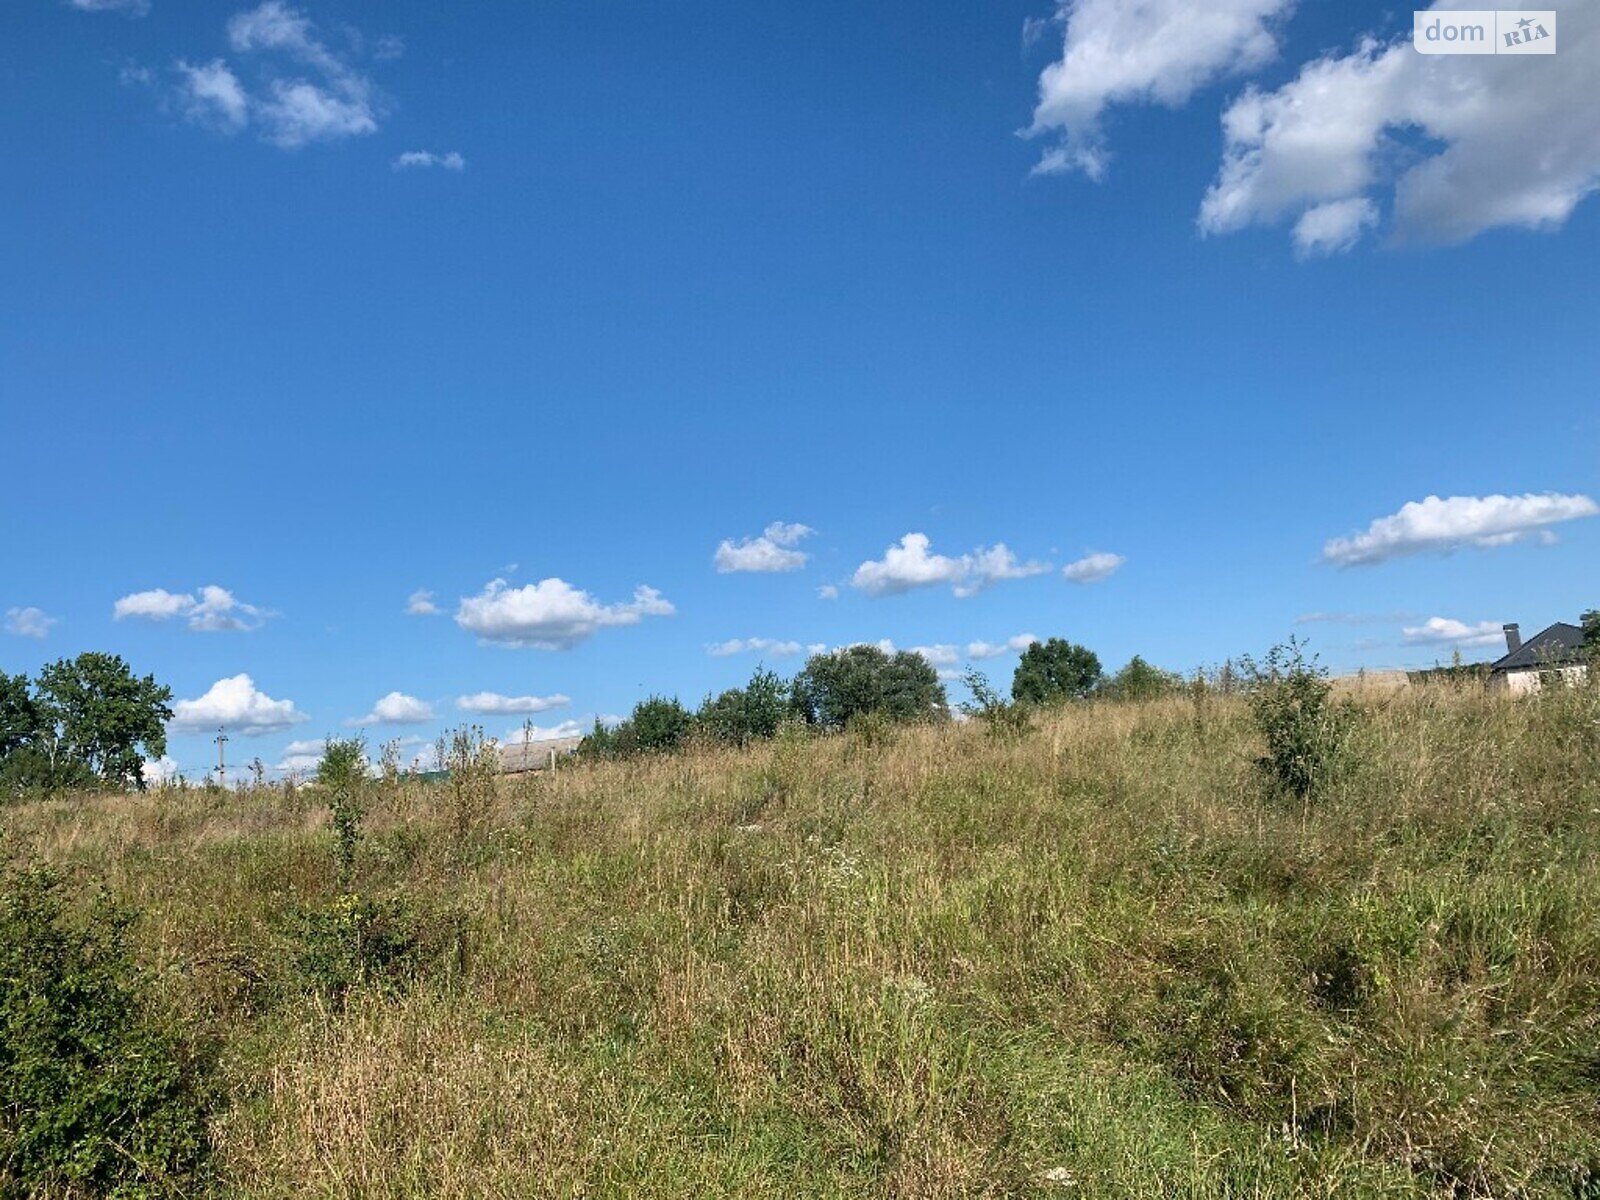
[1293, 706]
[342, 773]
[1001, 718]
[359, 941]
[96, 1098]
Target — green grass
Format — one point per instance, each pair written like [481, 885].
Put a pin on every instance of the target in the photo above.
[1104, 960]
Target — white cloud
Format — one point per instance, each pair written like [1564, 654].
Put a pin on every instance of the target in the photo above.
[757, 645]
[211, 95]
[29, 622]
[827, 592]
[238, 705]
[1013, 645]
[994, 564]
[301, 757]
[538, 733]
[1441, 526]
[1334, 227]
[289, 109]
[132, 8]
[217, 610]
[420, 604]
[1460, 144]
[1141, 51]
[774, 550]
[911, 565]
[1092, 568]
[493, 703]
[426, 159]
[1446, 631]
[158, 771]
[550, 614]
[396, 708]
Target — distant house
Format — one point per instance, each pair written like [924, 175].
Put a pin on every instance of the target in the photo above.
[519, 757]
[1555, 653]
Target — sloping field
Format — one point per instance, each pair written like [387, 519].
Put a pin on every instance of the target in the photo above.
[1103, 960]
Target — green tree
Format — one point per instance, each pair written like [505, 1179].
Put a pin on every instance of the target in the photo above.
[1054, 671]
[104, 716]
[750, 713]
[1140, 681]
[1591, 631]
[858, 680]
[20, 719]
[657, 723]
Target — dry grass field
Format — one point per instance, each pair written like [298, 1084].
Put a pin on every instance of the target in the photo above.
[1104, 959]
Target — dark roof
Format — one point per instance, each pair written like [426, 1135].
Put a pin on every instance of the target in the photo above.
[1559, 645]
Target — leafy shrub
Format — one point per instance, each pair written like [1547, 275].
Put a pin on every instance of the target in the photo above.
[96, 1098]
[1293, 706]
[361, 941]
[342, 773]
[1001, 718]
[1140, 680]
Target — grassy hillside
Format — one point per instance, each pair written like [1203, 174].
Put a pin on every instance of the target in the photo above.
[1104, 960]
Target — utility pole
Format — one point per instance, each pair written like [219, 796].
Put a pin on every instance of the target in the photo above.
[222, 767]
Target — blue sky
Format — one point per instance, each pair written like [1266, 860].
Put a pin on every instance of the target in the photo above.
[324, 304]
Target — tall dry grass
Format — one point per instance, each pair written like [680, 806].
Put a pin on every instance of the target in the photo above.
[1103, 960]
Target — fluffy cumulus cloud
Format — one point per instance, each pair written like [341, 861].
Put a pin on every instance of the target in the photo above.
[913, 564]
[424, 160]
[1445, 631]
[828, 591]
[1092, 568]
[1442, 525]
[485, 704]
[1454, 144]
[774, 550]
[301, 757]
[237, 705]
[420, 604]
[302, 91]
[772, 647]
[551, 614]
[396, 708]
[29, 622]
[1141, 51]
[215, 610]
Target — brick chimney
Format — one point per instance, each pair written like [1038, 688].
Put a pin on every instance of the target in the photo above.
[1513, 638]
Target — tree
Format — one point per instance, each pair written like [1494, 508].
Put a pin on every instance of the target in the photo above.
[1591, 632]
[857, 680]
[741, 715]
[20, 719]
[1053, 671]
[97, 712]
[1140, 681]
[657, 723]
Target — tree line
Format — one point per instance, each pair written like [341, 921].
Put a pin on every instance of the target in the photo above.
[858, 683]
